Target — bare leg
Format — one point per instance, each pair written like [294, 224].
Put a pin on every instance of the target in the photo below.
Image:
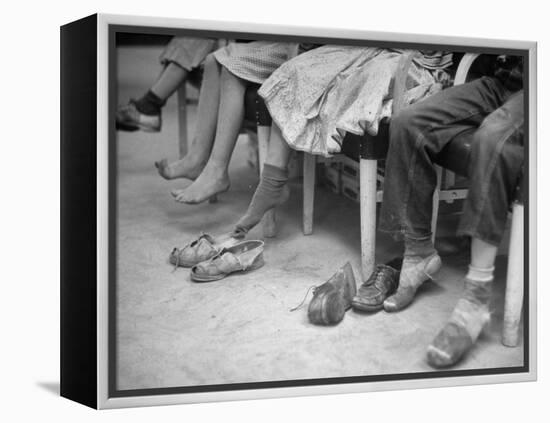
[192, 164]
[214, 178]
[272, 190]
[169, 80]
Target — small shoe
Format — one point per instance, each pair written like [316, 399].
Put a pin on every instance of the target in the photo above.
[380, 285]
[129, 118]
[201, 249]
[332, 299]
[242, 257]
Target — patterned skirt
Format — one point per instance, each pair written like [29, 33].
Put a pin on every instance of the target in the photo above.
[320, 95]
[188, 52]
[254, 61]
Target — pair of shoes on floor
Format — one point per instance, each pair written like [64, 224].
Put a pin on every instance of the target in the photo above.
[212, 259]
[332, 299]
[382, 289]
[382, 283]
[129, 118]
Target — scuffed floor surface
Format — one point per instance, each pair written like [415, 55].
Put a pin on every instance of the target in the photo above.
[173, 332]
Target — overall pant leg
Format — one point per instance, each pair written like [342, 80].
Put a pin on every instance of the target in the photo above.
[496, 163]
[417, 135]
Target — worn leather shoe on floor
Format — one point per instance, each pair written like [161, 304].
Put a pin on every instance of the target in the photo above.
[201, 249]
[332, 299]
[242, 257]
[129, 118]
[381, 283]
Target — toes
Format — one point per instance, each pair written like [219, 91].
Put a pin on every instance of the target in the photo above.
[184, 197]
[181, 199]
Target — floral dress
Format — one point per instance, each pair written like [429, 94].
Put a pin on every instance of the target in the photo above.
[318, 96]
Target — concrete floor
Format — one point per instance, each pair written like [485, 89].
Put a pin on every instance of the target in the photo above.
[173, 332]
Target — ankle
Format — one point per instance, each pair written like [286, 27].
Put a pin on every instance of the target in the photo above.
[275, 172]
[417, 270]
[150, 104]
[216, 168]
[419, 246]
[195, 157]
[480, 274]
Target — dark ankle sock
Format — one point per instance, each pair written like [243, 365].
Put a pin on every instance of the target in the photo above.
[422, 247]
[271, 192]
[150, 104]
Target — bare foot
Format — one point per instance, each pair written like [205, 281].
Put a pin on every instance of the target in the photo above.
[211, 181]
[189, 168]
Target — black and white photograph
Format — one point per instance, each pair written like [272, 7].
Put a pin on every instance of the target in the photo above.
[295, 211]
[233, 211]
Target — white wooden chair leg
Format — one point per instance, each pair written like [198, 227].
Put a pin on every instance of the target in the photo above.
[268, 221]
[309, 192]
[513, 299]
[435, 204]
[367, 194]
[182, 119]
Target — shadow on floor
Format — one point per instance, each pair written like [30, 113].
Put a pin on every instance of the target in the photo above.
[51, 387]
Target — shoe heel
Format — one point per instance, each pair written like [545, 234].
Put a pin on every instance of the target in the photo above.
[326, 310]
[433, 267]
[486, 326]
[257, 263]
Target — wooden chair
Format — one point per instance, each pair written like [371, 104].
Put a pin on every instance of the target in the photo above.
[369, 149]
[455, 157]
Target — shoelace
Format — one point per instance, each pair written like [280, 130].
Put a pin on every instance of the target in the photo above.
[312, 287]
[176, 265]
[381, 272]
[179, 250]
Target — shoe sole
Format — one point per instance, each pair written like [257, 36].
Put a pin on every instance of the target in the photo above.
[366, 307]
[133, 127]
[197, 278]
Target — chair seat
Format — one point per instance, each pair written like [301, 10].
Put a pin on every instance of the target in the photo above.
[368, 146]
[255, 108]
[456, 154]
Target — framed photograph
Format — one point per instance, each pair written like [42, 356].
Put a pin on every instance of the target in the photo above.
[254, 211]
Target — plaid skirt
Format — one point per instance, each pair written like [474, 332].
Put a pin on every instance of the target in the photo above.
[255, 61]
[187, 52]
